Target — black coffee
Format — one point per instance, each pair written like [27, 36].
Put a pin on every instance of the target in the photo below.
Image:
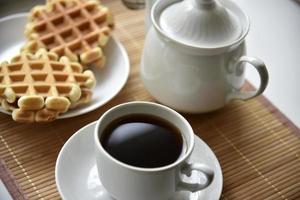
[143, 141]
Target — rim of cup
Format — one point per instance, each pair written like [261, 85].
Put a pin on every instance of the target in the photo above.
[189, 141]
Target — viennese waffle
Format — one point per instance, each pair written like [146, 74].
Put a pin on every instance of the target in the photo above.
[38, 87]
[77, 29]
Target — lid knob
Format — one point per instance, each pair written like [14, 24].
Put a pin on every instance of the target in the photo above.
[204, 2]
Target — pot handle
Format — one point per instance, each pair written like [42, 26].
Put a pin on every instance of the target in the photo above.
[187, 170]
[261, 68]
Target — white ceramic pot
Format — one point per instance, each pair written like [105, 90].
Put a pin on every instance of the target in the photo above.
[196, 72]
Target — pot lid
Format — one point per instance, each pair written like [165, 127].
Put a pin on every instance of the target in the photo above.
[205, 23]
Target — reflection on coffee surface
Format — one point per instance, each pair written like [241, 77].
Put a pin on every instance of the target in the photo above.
[143, 141]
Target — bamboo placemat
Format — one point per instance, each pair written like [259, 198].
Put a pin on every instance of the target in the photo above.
[258, 148]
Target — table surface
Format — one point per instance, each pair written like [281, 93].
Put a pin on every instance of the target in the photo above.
[3, 192]
[257, 147]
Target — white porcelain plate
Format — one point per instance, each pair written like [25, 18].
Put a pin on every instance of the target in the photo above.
[77, 177]
[110, 79]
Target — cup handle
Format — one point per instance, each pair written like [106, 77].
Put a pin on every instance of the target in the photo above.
[187, 170]
[263, 74]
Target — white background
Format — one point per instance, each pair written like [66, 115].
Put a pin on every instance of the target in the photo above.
[275, 37]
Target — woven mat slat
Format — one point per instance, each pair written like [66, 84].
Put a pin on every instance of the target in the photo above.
[258, 148]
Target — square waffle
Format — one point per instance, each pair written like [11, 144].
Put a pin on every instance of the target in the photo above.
[38, 87]
[77, 29]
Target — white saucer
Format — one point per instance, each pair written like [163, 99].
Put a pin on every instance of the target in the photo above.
[77, 177]
[110, 79]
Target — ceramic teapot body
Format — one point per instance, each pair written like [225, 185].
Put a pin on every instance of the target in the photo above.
[196, 80]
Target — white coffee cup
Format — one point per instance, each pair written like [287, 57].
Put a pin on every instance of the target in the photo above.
[126, 182]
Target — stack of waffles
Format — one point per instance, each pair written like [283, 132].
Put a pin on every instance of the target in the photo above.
[51, 75]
